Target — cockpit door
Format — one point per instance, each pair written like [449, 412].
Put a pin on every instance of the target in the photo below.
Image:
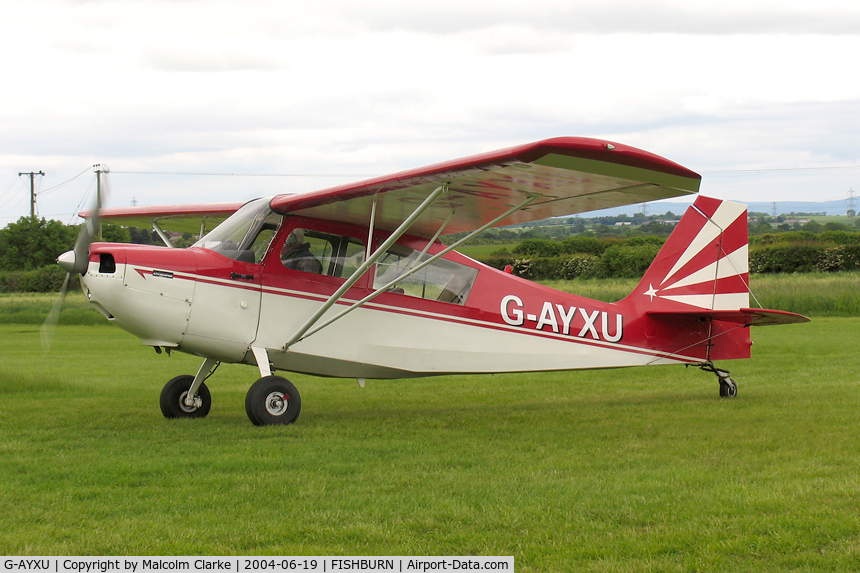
[226, 309]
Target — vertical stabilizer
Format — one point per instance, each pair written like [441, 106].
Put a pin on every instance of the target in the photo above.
[704, 263]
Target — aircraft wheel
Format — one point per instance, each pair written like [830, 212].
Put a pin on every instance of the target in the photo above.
[173, 399]
[728, 388]
[273, 400]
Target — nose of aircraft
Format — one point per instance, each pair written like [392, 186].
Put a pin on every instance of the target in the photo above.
[67, 261]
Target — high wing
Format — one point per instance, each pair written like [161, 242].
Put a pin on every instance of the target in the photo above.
[562, 176]
[176, 218]
[549, 178]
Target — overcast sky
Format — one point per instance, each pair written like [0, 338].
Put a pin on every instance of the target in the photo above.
[760, 97]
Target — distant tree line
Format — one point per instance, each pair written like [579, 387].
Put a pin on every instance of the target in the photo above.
[559, 228]
[30, 246]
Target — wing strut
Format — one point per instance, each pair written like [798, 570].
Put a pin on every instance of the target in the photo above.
[160, 232]
[372, 224]
[369, 261]
[302, 335]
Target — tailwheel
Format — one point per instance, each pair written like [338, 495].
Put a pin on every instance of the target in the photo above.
[273, 400]
[175, 403]
[728, 387]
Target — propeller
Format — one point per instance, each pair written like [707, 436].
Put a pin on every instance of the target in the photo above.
[76, 261]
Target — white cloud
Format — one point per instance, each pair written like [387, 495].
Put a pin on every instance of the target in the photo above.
[342, 87]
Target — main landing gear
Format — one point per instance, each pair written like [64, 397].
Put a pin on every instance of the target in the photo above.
[271, 399]
[728, 387]
[176, 403]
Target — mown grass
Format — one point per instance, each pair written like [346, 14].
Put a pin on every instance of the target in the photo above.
[483, 251]
[815, 294]
[32, 308]
[618, 470]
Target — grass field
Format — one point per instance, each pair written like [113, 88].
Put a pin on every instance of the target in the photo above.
[483, 251]
[616, 470]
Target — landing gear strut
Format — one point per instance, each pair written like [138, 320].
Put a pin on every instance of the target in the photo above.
[271, 400]
[728, 387]
[187, 396]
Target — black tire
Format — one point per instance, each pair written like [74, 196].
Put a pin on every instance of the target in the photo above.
[728, 388]
[173, 399]
[272, 400]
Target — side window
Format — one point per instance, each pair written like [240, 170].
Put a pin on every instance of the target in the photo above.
[261, 242]
[352, 257]
[441, 280]
[322, 253]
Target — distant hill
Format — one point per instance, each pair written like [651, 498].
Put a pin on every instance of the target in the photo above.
[837, 207]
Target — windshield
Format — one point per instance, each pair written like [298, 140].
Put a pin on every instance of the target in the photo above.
[246, 234]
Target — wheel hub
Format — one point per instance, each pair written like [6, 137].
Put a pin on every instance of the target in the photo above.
[195, 402]
[277, 403]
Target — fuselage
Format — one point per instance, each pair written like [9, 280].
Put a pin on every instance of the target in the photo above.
[241, 289]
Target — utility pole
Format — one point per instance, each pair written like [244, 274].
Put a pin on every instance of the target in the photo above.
[32, 175]
[99, 169]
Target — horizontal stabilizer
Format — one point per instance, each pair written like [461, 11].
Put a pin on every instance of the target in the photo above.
[745, 316]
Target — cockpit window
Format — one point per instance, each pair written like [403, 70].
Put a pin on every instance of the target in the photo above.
[322, 253]
[244, 236]
[441, 280]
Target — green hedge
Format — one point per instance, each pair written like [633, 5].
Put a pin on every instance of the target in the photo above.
[617, 261]
[46, 279]
[567, 267]
[632, 260]
[627, 261]
[548, 248]
[804, 258]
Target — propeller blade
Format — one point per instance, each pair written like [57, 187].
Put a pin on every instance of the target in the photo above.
[77, 260]
[89, 230]
[50, 324]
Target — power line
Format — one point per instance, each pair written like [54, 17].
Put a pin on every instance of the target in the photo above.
[233, 174]
[80, 206]
[11, 203]
[781, 169]
[56, 187]
[12, 195]
[206, 174]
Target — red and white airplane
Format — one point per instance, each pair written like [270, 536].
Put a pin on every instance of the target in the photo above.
[353, 281]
